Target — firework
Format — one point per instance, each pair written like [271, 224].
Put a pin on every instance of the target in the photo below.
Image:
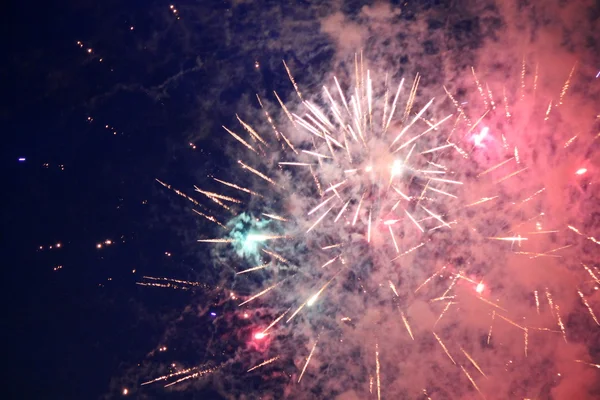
[442, 199]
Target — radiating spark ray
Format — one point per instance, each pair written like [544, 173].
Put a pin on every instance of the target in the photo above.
[178, 192]
[403, 131]
[273, 216]
[261, 293]
[446, 181]
[312, 153]
[587, 363]
[491, 325]
[405, 197]
[216, 240]
[481, 201]
[433, 127]
[444, 347]
[257, 173]
[319, 220]
[233, 185]
[487, 171]
[212, 195]
[239, 139]
[441, 192]
[407, 325]
[251, 131]
[511, 175]
[393, 238]
[537, 301]
[583, 299]
[443, 312]
[473, 362]
[275, 256]
[509, 238]
[298, 164]
[430, 278]
[377, 371]
[511, 322]
[436, 149]
[320, 205]
[262, 364]
[387, 125]
[472, 381]
[414, 221]
[285, 110]
[526, 339]
[292, 80]
[342, 210]
[272, 324]
[369, 229]
[408, 251]
[308, 360]
[330, 261]
[593, 239]
[560, 323]
[566, 86]
[168, 376]
[210, 218]
[491, 303]
[358, 209]
[589, 271]
[436, 217]
[259, 267]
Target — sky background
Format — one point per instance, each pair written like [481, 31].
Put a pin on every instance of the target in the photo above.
[102, 98]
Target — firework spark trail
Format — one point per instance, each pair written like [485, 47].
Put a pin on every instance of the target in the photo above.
[261, 293]
[472, 381]
[377, 371]
[308, 359]
[257, 268]
[262, 364]
[444, 347]
[587, 363]
[473, 361]
[583, 299]
[591, 238]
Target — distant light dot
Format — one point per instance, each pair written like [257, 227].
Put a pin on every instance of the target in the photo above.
[22, 159]
[245, 315]
[89, 50]
[125, 392]
[256, 64]
[99, 245]
[213, 314]
[131, 28]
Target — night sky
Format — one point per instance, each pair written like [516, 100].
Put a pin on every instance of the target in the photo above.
[100, 99]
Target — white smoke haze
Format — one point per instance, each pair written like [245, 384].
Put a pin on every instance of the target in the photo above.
[473, 236]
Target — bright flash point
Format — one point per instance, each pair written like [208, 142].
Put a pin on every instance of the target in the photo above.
[479, 288]
[312, 300]
[581, 171]
[125, 392]
[478, 138]
[396, 167]
[259, 335]
[369, 168]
